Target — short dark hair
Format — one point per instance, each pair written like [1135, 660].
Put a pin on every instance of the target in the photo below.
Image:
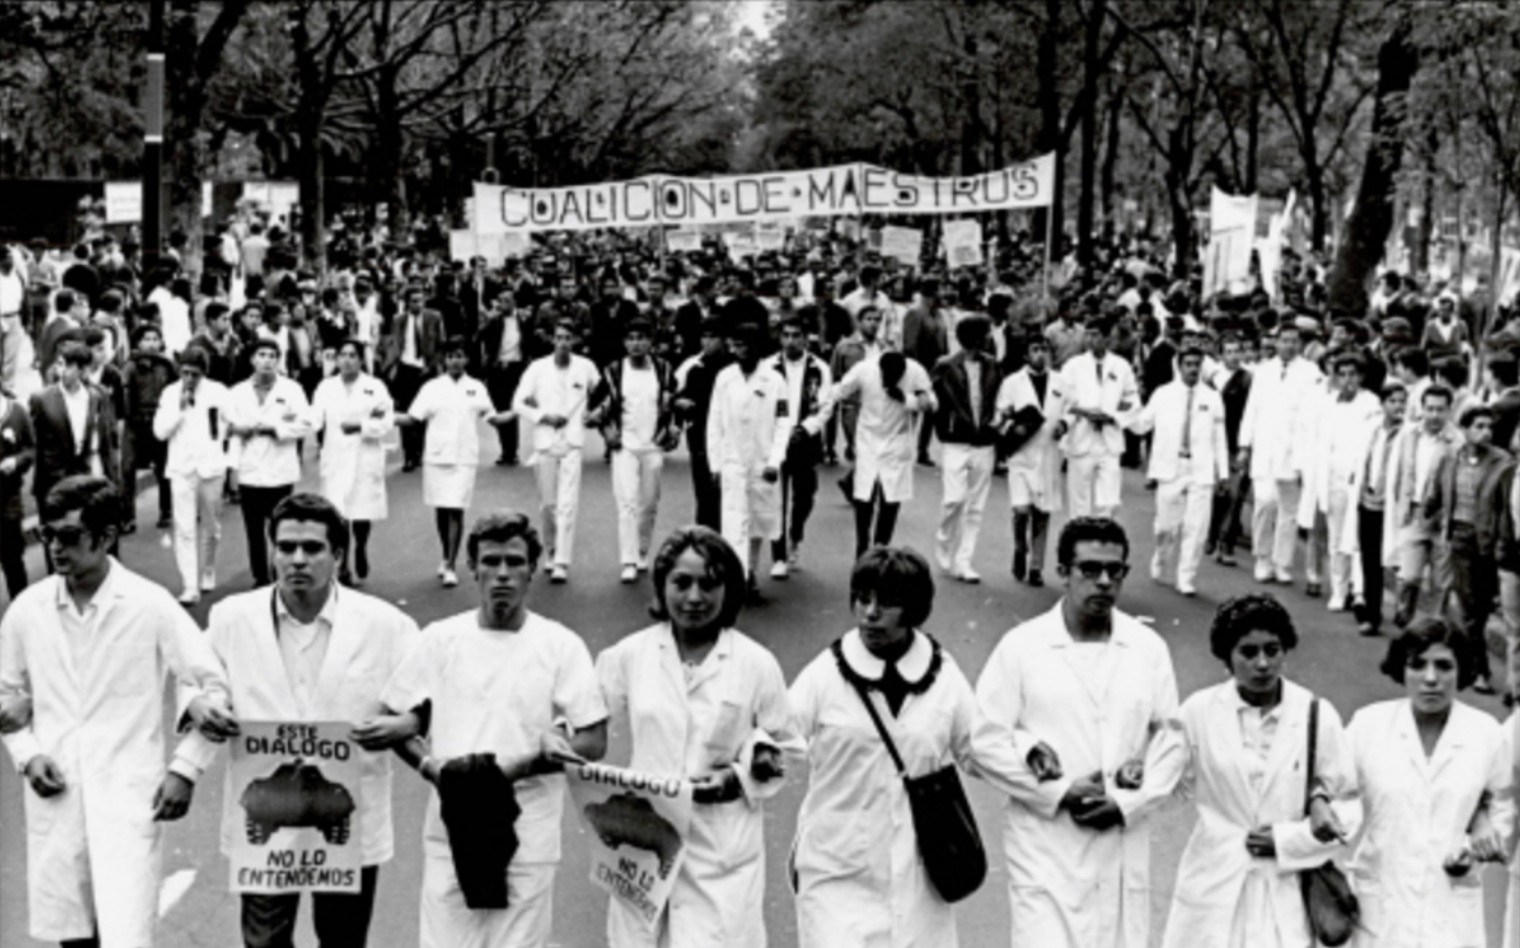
[63, 301]
[453, 344]
[193, 357]
[1415, 360]
[311, 508]
[1189, 352]
[1088, 530]
[142, 330]
[1347, 357]
[360, 346]
[96, 498]
[1254, 612]
[1506, 371]
[722, 562]
[1439, 391]
[1452, 371]
[216, 309]
[1420, 636]
[972, 331]
[638, 327]
[263, 342]
[76, 352]
[500, 527]
[1472, 413]
[898, 575]
[1392, 388]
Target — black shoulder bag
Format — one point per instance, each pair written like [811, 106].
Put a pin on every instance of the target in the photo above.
[1328, 900]
[948, 841]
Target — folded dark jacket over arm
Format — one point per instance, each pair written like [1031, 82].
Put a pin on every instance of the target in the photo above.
[479, 810]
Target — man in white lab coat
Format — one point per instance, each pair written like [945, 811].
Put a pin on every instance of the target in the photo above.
[1029, 409]
[553, 395]
[1275, 439]
[1347, 419]
[91, 648]
[1188, 460]
[1099, 396]
[308, 650]
[1087, 697]
[748, 429]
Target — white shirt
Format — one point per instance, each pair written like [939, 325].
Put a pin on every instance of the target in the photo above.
[173, 318]
[499, 692]
[264, 460]
[452, 410]
[193, 450]
[77, 404]
[748, 424]
[511, 341]
[547, 389]
[12, 293]
[641, 407]
[303, 648]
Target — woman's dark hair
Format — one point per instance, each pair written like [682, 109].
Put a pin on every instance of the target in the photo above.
[1471, 414]
[96, 499]
[311, 508]
[722, 562]
[501, 527]
[1088, 530]
[144, 329]
[1421, 635]
[898, 576]
[359, 346]
[454, 344]
[1255, 612]
[893, 365]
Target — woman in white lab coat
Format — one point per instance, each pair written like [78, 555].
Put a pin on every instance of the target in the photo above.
[353, 411]
[859, 880]
[1247, 740]
[702, 700]
[895, 393]
[1436, 793]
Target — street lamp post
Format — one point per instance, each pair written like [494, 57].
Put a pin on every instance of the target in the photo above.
[153, 137]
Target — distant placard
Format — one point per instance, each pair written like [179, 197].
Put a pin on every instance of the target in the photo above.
[683, 241]
[963, 243]
[124, 201]
[904, 244]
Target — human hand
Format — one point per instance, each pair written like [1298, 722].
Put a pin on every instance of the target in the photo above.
[1131, 774]
[767, 763]
[770, 475]
[720, 786]
[1323, 822]
[172, 798]
[554, 749]
[15, 714]
[1083, 794]
[1101, 814]
[553, 421]
[386, 730]
[351, 427]
[1044, 762]
[45, 777]
[214, 723]
[1484, 842]
[1260, 843]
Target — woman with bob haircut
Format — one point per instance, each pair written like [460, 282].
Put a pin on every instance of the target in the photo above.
[700, 698]
[856, 870]
[1247, 741]
[353, 410]
[1436, 792]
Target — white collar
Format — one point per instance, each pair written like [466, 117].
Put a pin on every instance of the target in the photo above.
[912, 666]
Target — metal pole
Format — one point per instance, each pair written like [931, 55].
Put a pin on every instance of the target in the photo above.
[1050, 223]
[153, 137]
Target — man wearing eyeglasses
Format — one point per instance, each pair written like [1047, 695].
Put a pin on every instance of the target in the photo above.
[88, 651]
[1084, 699]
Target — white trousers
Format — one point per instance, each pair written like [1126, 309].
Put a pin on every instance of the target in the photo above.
[1093, 484]
[197, 506]
[636, 491]
[1274, 521]
[559, 498]
[1184, 507]
[750, 509]
[966, 475]
[446, 922]
[1345, 572]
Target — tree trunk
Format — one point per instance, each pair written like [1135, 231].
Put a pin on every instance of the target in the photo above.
[1050, 220]
[1420, 255]
[310, 176]
[1110, 159]
[1089, 154]
[1358, 255]
[1314, 173]
[185, 151]
[1253, 136]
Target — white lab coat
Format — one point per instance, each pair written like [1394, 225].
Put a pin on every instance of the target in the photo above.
[1417, 812]
[734, 698]
[1070, 886]
[353, 465]
[1038, 461]
[193, 450]
[262, 460]
[452, 410]
[369, 640]
[859, 878]
[748, 423]
[1115, 393]
[1224, 897]
[93, 851]
[546, 389]
[886, 434]
[1277, 425]
[1165, 415]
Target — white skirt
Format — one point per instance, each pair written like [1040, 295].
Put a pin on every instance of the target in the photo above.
[448, 485]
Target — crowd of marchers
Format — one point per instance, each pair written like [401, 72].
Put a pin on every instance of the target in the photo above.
[1357, 447]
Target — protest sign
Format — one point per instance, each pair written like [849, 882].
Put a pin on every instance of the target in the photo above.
[963, 243]
[462, 245]
[683, 240]
[298, 785]
[124, 201]
[1232, 229]
[639, 822]
[902, 243]
[841, 190]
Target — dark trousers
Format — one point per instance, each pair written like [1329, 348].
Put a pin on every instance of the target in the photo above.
[406, 382]
[1030, 527]
[12, 553]
[140, 449]
[341, 920]
[1369, 538]
[1471, 581]
[257, 504]
[799, 488]
[1224, 525]
[501, 383]
[704, 485]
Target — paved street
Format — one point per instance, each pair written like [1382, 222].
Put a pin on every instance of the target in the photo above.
[802, 616]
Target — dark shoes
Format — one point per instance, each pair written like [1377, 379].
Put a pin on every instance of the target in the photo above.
[1035, 579]
[1020, 563]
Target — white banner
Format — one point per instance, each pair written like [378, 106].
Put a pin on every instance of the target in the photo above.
[1232, 229]
[465, 245]
[298, 786]
[124, 201]
[842, 190]
[683, 240]
[963, 243]
[904, 244]
[639, 822]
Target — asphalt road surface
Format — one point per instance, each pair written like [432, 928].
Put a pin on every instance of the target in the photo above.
[801, 617]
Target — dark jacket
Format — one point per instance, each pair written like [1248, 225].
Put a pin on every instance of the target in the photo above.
[148, 374]
[698, 389]
[57, 454]
[953, 421]
[606, 401]
[429, 342]
[16, 441]
[1440, 501]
